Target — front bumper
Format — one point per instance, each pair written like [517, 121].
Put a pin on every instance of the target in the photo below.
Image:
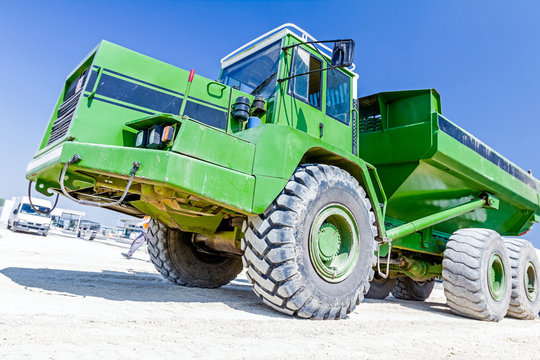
[221, 185]
[31, 227]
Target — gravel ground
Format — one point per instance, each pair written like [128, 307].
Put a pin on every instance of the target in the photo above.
[65, 298]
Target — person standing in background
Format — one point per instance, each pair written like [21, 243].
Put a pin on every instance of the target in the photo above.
[139, 240]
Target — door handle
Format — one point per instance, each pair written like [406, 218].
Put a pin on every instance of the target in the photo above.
[321, 130]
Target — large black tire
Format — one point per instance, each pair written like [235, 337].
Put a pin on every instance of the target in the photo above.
[178, 260]
[525, 300]
[406, 288]
[468, 260]
[277, 246]
[379, 287]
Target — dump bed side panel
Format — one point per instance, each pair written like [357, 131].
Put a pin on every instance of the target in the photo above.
[462, 155]
[428, 164]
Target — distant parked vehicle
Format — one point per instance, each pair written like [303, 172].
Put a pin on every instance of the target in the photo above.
[24, 218]
[88, 229]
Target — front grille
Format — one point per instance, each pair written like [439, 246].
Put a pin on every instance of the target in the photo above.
[67, 109]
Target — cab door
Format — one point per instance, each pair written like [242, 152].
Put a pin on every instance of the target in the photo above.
[337, 110]
[302, 100]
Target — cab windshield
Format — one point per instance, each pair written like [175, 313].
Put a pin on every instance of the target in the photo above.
[27, 209]
[255, 72]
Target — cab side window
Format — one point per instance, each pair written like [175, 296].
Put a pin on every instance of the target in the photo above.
[338, 90]
[306, 87]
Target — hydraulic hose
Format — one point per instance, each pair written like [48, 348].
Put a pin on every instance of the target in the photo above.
[76, 158]
[32, 205]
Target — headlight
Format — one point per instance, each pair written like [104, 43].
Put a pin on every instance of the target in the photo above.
[156, 137]
[141, 139]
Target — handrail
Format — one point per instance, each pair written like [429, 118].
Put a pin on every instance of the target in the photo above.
[305, 36]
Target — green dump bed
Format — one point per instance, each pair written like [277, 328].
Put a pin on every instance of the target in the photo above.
[427, 164]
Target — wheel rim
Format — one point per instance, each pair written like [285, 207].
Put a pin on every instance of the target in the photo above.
[334, 243]
[530, 281]
[497, 277]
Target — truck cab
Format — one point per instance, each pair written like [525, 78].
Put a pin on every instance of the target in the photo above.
[318, 103]
[24, 218]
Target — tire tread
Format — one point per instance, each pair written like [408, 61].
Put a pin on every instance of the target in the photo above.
[269, 251]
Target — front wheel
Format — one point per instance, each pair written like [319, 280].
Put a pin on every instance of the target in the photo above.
[310, 254]
[179, 261]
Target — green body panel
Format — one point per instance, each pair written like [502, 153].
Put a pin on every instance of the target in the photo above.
[211, 178]
[217, 168]
[295, 147]
[193, 139]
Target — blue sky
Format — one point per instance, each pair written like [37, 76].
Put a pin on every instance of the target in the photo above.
[483, 57]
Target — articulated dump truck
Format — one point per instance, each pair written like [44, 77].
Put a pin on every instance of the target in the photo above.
[279, 168]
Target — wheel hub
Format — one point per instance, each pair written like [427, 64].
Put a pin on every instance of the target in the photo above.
[334, 245]
[530, 282]
[329, 241]
[496, 277]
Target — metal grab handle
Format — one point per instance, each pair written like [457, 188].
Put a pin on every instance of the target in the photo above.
[384, 276]
[76, 158]
[222, 86]
[96, 84]
[32, 205]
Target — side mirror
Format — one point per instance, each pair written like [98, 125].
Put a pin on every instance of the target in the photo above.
[343, 53]
[15, 211]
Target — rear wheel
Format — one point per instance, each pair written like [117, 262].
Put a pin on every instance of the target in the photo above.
[178, 260]
[476, 272]
[379, 287]
[310, 254]
[525, 301]
[406, 288]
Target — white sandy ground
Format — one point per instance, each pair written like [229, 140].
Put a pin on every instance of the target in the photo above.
[67, 298]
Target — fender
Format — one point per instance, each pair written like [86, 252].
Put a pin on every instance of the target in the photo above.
[274, 164]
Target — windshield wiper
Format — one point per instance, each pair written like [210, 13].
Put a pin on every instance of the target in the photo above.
[264, 84]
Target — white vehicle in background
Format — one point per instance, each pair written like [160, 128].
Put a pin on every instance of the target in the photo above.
[24, 218]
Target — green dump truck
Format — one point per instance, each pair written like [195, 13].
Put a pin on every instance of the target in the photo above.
[279, 168]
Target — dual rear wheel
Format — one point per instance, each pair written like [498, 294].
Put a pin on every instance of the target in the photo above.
[525, 267]
[487, 277]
